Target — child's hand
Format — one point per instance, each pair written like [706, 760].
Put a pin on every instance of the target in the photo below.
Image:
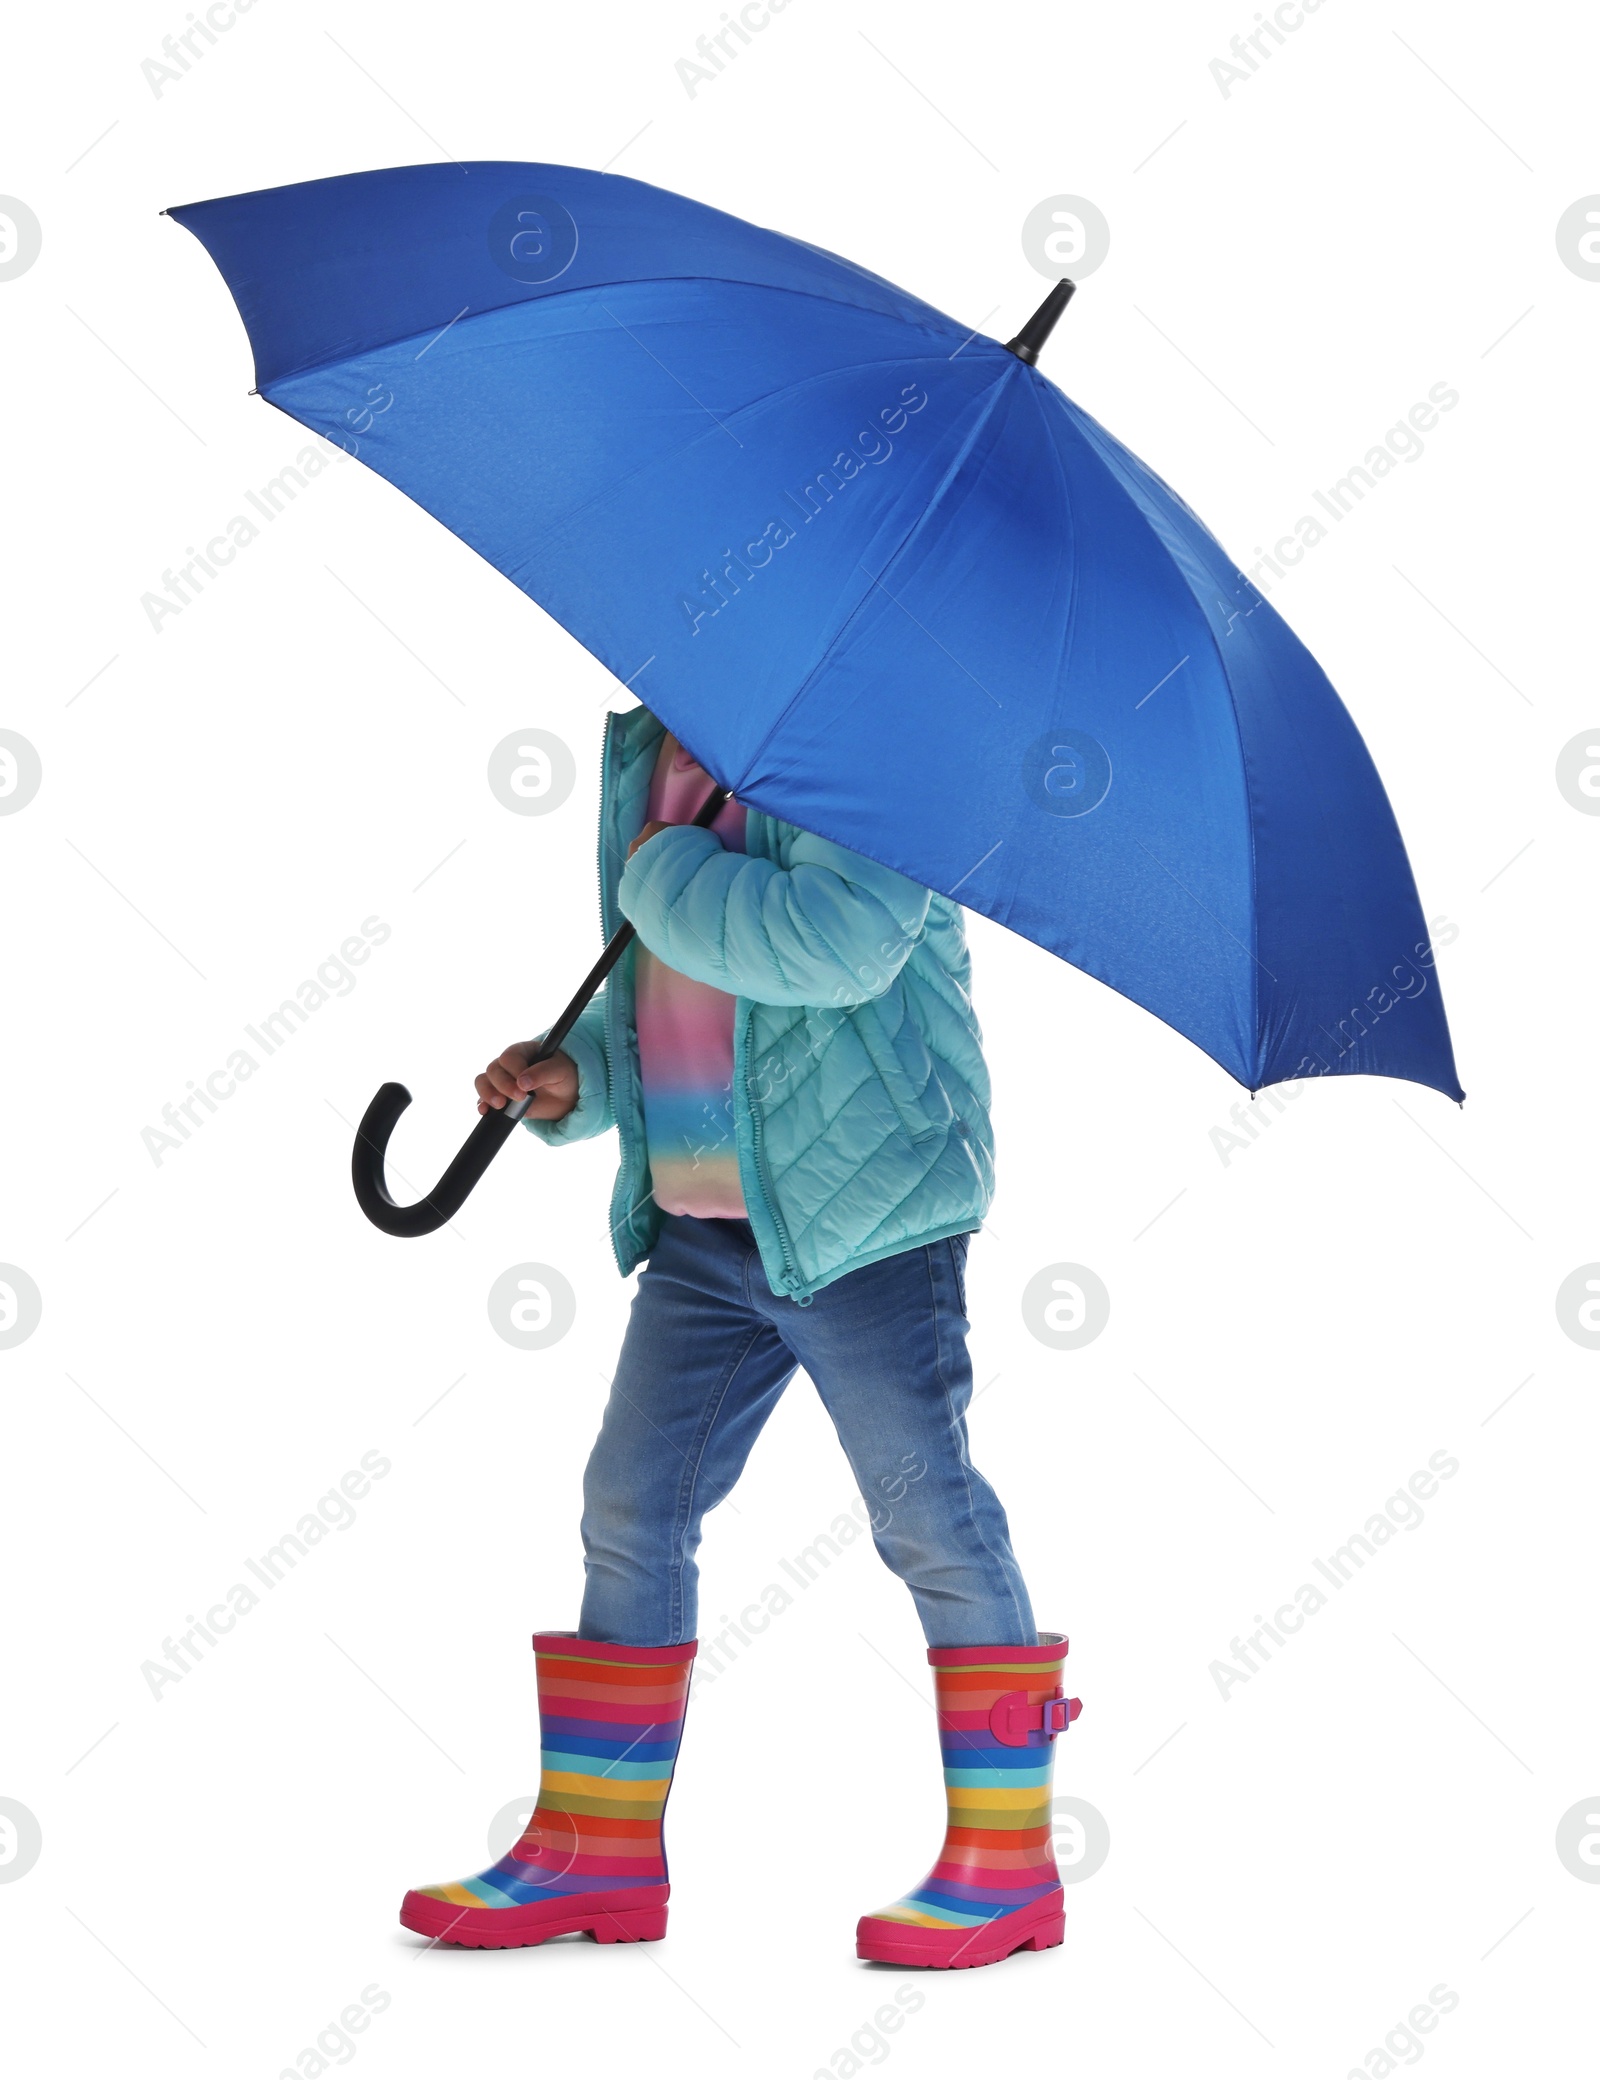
[646, 835]
[515, 1073]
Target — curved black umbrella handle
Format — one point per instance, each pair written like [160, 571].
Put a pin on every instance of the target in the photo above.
[481, 1146]
[477, 1152]
[493, 1130]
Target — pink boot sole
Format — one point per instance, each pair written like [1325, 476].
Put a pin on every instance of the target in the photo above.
[1040, 1926]
[636, 1916]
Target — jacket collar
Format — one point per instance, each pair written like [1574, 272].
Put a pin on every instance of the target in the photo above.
[632, 741]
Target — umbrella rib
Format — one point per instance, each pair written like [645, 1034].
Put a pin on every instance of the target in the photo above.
[1069, 619]
[750, 405]
[928, 632]
[682, 385]
[991, 399]
[1094, 436]
[594, 290]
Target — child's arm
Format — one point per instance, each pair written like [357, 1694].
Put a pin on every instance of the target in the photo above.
[831, 928]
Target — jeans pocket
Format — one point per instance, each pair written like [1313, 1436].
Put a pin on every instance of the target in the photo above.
[957, 1246]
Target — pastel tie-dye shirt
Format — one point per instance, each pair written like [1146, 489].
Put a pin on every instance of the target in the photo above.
[686, 1035]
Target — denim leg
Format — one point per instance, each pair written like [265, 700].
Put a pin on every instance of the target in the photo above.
[886, 1347]
[699, 1373]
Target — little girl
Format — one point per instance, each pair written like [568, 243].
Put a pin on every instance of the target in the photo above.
[792, 1064]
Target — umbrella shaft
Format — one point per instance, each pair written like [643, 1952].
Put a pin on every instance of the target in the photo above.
[615, 947]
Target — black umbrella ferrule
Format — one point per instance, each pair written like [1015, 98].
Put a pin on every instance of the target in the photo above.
[1039, 327]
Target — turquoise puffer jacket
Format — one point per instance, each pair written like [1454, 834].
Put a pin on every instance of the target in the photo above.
[860, 1097]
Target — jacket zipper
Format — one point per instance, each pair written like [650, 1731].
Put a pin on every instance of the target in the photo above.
[622, 1196]
[791, 1276]
[600, 884]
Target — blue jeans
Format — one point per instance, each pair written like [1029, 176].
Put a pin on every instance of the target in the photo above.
[708, 1351]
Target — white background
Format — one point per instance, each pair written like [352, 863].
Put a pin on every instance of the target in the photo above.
[1292, 1334]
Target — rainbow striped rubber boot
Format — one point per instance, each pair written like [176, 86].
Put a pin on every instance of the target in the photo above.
[590, 1860]
[995, 1888]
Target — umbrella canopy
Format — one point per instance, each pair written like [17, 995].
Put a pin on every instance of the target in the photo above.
[877, 572]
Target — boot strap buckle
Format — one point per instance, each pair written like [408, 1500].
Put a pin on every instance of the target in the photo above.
[1012, 1718]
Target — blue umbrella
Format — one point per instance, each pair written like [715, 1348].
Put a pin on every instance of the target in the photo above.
[876, 572]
